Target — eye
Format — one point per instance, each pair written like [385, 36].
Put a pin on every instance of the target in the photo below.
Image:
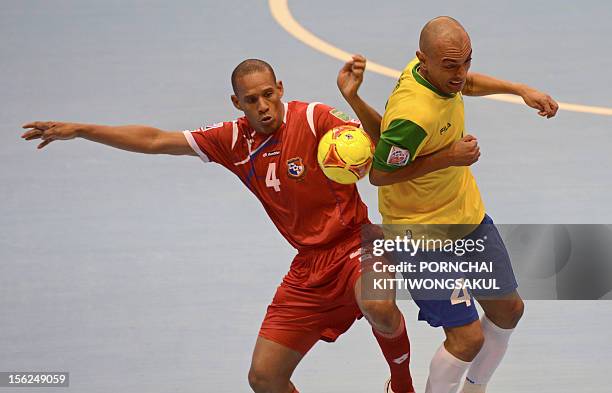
[268, 94]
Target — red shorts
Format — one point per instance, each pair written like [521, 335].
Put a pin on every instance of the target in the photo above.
[316, 300]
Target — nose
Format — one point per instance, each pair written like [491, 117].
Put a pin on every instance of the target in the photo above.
[262, 106]
[462, 71]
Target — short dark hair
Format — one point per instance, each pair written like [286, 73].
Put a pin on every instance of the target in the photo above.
[249, 66]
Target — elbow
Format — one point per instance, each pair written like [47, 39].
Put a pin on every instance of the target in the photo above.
[156, 144]
[376, 178]
[151, 148]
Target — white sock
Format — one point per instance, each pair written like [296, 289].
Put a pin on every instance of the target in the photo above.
[489, 357]
[469, 387]
[445, 372]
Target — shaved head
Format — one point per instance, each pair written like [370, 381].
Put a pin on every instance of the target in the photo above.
[250, 66]
[439, 32]
[445, 54]
[258, 94]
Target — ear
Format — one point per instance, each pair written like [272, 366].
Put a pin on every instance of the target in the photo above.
[421, 56]
[236, 102]
[281, 89]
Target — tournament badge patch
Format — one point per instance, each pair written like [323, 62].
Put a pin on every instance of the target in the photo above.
[340, 115]
[398, 156]
[296, 168]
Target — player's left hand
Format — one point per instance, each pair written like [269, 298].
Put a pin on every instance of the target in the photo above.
[546, 106]
[351, 76]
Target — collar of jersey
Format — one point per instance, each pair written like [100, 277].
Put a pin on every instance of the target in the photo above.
[426, 83]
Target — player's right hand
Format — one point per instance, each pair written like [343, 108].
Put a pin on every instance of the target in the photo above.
[464, 152]
[49, 131]
[350, 76]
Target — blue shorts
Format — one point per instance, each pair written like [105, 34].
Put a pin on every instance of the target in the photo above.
[450, 308]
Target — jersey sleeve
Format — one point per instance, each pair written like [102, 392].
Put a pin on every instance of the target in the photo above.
[322, 118]
[211, 143]
[399, 145]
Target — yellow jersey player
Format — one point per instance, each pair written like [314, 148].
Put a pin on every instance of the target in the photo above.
[425, 115]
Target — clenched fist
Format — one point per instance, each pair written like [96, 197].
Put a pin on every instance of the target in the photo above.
[464, 152]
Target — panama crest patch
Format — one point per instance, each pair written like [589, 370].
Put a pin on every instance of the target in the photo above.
[296, 168]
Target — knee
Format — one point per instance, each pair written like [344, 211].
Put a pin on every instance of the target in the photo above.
[466, 345]
[508, 317]
[517, 309]
[262, 381]
[383, 315]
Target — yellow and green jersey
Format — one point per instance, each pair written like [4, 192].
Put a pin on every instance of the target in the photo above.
[419, 120]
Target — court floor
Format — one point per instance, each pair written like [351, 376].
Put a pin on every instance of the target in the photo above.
[138, 273]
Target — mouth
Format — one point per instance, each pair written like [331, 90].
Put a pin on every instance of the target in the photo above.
[266, 120]
[457, 84]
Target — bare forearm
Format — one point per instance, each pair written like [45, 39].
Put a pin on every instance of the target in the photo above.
[369, 117]
[482, 85]
[419, 167]
[140, 139]
[136, 138]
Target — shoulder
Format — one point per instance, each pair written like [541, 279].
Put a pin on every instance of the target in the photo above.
[309, 111]
[307, 108]
[223, 134]
[404, 132]
[411, 100]
[221, 129]
[414, 105]
[297, 105]
[212, 131]
[315, 107]
[406, 77]
[320, 110]
[409, 113]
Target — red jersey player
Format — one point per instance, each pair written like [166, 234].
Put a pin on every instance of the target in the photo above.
[272, 149]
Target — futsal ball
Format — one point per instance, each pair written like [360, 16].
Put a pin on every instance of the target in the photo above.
[345, 154]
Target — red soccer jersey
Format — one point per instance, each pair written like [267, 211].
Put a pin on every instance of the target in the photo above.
[281, 169]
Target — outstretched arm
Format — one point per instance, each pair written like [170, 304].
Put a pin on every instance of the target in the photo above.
[482, 85]
[464, 152]
[140, 139]
[349, 80]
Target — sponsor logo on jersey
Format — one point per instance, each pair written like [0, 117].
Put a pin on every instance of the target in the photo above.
[339, 114]
[398, 156]
[271, 153]
[296, 168]
[445, 128]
